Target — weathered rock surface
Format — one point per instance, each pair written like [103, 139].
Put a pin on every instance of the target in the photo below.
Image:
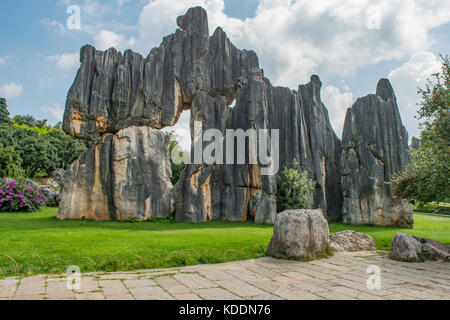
[51, 194]
[349, 240]
[125, 176]
[191, 70]
[113, 91]
[405, 247]
[58, 175]
[409, 248]
[375, 146]
[299, 234]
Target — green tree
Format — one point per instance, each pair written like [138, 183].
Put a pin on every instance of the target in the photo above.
[38, 154]
[427, 177]
[28, 120]
[4, 113]
[10, 163]
[177, 169]
[295, 188]
[68, 148]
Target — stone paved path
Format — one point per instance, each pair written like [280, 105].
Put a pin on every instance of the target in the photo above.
[343, 276]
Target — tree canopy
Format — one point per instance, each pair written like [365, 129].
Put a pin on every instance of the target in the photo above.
[427, 177]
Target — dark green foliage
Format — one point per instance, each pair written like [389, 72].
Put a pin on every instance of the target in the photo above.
[427, 177]
[10, 163]
[26, 120]
[4, 113]
[295, 189]
[177, 169]
[41, 148]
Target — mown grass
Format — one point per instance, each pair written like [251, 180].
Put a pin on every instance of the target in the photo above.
[161, 243]
[433, 207]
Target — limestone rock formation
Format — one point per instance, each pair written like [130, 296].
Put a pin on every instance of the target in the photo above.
[299, 234]
[409, 248]
[125, 176]
[375, 146]
[192, 70]
[349, 240]
[113, 91]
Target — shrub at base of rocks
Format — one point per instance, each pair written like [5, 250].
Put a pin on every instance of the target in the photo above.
[300, 235]
[20, 196]
[405, 247]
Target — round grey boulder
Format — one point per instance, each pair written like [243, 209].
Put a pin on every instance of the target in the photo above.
[299, 234]
[405, 247]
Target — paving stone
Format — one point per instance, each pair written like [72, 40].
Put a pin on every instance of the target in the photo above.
[216, 294]
[267, 296]
[310, 286]
[215, 275]
[112, 287]
[88, 285]
[90, 296]
[150, 293]
[187, 296]
[32, 297]
[293, 293]
[8, 283]
[7, 292]
[342, 276]
[139, 283]
[240, 288]
[120, 297]
[31, 287]
[246, 275]
[267, 285]
[194, 281]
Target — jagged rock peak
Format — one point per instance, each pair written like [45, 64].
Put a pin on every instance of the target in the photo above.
[374, 147]
[113, 90]
[194, 22]
[385, 90]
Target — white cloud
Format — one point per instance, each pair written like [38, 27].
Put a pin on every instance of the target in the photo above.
[122, 2]
[406, 79]
[337, 104]
[56, 111]
[107, 39]
[297, 38]
[10, 90]
[45, 83]
[66, 61]
[55, 25]
[2, 61]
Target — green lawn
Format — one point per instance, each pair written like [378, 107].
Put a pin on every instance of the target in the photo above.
[434, 207]
[158, 243]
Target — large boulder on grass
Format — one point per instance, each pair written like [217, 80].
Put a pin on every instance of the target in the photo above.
[299, 234]
[405, 247]
[408, 248]
[349, 240]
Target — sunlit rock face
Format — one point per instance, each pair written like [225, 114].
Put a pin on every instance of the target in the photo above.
[114, 90]
[375, 146]
[206, 74]
[125, 176]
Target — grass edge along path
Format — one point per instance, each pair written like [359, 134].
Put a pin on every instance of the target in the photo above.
[124, 246]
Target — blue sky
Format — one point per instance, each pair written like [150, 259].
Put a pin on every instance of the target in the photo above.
[349, 44]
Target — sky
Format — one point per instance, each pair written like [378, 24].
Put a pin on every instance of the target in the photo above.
[350, 44]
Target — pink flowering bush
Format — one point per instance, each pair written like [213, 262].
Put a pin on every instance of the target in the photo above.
[20, 196]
